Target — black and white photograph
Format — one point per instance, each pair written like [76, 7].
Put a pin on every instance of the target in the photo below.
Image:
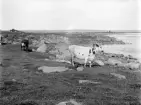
[70, 52]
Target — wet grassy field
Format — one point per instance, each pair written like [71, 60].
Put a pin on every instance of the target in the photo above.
[23, 84]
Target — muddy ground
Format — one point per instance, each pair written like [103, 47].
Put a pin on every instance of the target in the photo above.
[33, 87]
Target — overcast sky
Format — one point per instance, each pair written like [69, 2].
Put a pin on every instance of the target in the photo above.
[70, 14]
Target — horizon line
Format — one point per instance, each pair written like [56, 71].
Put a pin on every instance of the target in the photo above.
[69, 29]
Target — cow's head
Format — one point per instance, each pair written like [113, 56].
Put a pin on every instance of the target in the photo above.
[97, 48]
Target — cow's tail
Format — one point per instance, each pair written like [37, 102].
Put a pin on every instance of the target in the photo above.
[70, 49]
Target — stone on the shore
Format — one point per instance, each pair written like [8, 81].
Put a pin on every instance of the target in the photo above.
[63, 61]
[71, 102]
[33, 50]
[14, 80]
[57, 60]
[25, 70]
[99, 62]
[131, 57]
[133, 65]
[112, 61]
[80, 68]
[119, 76]
[116, 55]
[47, 69]
[15, 43]
[88, 82]
[42, 48]
[47, 59]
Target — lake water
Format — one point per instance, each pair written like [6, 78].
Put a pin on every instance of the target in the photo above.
[133, 46]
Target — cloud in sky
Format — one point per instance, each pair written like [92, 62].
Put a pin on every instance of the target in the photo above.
[66, 14]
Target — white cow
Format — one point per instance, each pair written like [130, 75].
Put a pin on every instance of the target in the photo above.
[86, 53]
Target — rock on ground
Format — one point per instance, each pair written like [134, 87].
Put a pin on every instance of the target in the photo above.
[33, 50]
[47, 69]
[80, 68]
[133, 65]
[88, 81]
[42, 48]
[113, 61]
[71, 102]
[64, 61]
[99, 62]
[119, 76]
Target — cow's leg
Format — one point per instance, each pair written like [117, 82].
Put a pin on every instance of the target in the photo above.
[21, 47]
[72, 58]
[90, 64]
[72, 62]
[86, 59]
[24, 48]
[27, 47]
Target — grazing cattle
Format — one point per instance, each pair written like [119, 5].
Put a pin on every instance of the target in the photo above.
[24, 45]
[86, 53]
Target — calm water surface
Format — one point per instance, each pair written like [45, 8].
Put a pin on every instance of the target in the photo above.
[133, 46]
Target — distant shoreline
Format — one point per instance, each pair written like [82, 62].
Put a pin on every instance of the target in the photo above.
[130, 47]
[75, 30]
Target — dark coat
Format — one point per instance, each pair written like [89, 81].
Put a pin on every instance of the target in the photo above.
[26, 44]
